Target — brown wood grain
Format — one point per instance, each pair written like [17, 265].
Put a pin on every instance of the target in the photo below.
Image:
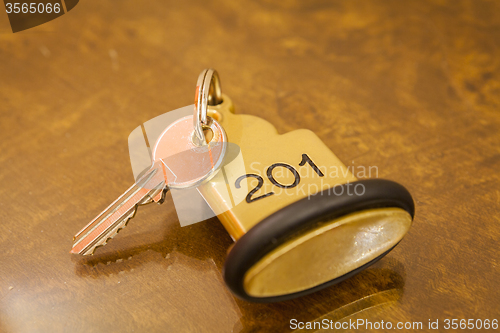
[412, 87]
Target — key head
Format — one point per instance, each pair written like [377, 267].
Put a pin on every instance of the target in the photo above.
[183, 163]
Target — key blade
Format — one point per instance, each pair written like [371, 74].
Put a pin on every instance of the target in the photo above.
[116, 216]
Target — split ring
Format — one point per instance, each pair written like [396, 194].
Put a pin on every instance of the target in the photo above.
[208, 92]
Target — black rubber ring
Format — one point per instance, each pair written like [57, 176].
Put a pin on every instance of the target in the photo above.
[306, 213]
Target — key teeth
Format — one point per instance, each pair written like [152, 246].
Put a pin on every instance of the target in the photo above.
[122, 225]
[93, 250]
[135, 192]
[163, 195]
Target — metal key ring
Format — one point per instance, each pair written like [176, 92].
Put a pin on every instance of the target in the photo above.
[208, 92]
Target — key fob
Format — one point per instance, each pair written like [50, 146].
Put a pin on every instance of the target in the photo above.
[300, 219]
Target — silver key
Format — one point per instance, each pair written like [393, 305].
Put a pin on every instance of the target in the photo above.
[177, 163]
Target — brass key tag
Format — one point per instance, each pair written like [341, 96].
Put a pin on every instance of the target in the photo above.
[300, 219]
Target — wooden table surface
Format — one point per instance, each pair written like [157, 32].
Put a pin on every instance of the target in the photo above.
[412, 87]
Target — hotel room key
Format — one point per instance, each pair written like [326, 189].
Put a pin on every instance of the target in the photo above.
[301, 221]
